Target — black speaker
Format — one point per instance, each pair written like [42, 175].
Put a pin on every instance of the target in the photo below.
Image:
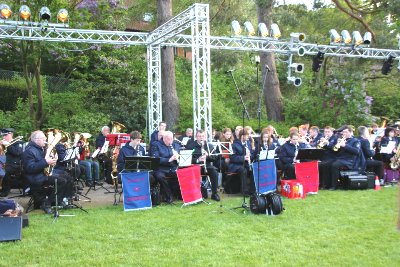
[10, 228]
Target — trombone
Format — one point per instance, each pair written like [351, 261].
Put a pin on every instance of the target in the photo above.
[6, 144]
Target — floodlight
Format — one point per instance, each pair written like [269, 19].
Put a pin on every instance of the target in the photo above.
[298, 37]
[317, 61]
[249, 28]
[295, 80]
[335, 37]
[44, 13]
[263, 30]
[367, 38]
[236, 29]
[5, 11]
[275, 32]
[346, 37]
[298, 67]
[300, 51]
[387, 65]
[357, 38]
[62, 15]
[24, 12]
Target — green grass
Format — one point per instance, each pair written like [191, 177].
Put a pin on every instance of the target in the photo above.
[341, 228]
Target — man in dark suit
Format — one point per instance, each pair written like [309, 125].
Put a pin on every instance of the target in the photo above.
[104, 159]
[288, 154]
[162, 126]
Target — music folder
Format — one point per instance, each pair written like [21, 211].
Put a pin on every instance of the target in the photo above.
[307, 154]
[141, 163]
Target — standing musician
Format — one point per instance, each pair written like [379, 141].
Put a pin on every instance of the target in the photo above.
[372, 165]
[13, 162]
[348, 157]
[200, 156]
[315, 136]
[168, 152]
[35, 162]
[162, 126]
[288, 155]
[104, 158]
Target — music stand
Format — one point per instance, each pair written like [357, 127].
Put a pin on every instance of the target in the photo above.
[307, 154]
[141, 163]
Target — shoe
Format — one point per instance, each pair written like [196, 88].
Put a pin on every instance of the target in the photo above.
[46, 209]
[215, 197]
[169, 200]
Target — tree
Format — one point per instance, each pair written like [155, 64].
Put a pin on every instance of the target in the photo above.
[170, 98]
[272, 92]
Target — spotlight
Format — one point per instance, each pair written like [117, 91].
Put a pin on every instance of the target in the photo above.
[387, 65]
[249, 28]
[367, 38]
[295, 80]
[300, 51]
[317, 61]
[275, 32]
[62, 15]
[45, 14]
[263, 30]
[236, 29]
[298, 67]
[357, 38]
[24, 12]
[5, 11]
[335, 37]
[298, 37]
[346, 37]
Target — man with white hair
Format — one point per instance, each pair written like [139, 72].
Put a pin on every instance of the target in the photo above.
[168, 152]
[103, 158]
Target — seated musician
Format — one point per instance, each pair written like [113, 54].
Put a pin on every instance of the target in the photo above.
[184, 139]
[104, 159]
[168, 152]
[375, 166]
[251, 142]
[349, 153]
[327, 142]
[34, 162]
[237, 131]
[304, 136]
[91, 166]
[200, 156]
[275, 138]
[132, 148]
[240, 160]
[315, 136]
[389, 136]
[162, 126]
[226, 137]
[288, 154]
[154, 145]
[62, 167]
[13, 172]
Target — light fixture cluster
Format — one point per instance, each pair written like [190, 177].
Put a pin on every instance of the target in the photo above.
[346, 39]
[24, 14]
[263, 31]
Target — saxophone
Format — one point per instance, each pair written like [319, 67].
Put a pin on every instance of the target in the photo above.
[395, 160]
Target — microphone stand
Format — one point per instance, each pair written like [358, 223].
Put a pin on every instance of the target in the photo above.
[244, 112]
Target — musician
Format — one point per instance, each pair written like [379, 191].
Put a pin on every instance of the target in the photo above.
[268, 144]
[389, 136]
[237, 131]
[200, 156]
[240, 160]
[162, 126]
[327, 142]
[348, 156]
[375, 166]
[132, 148]
[34, 163]
[104, 159]
[275, 138]
[13, 162]
[62, 167]
[154, 145]
[251, 142]
[92, 167]
[288, 155]
[303, 134]
[187, 136]
[315, 136]
[168, 152]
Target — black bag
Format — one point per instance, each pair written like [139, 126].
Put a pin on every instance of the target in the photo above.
[371, 179]
[359, 181]
[155, 195]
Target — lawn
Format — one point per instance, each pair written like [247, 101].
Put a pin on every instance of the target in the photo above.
[333, 228]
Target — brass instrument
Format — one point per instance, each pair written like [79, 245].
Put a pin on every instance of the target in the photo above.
[6, 144]
[338, 143]
[384, 122]
[395, 160]
[322, 142]
[53, 137]
[117, 127]
[84, 138]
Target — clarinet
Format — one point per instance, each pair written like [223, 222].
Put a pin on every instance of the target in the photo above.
[203, 153]
[248, 153]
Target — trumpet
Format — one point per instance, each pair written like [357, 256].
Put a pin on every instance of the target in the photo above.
[338, 143]
[6, 144]
[322, 142]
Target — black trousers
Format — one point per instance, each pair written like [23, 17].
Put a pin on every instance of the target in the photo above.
[325, 180]
[160, 177]
[375, 166]
[213, 174]
[47, 196]
[289, 171]
[12, 178]
[335, 169]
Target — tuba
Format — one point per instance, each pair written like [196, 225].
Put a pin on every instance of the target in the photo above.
[117, 127]
[395, 160]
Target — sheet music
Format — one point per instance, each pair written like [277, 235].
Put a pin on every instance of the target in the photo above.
[185, 140]
[95, 153]
[263, 154]
[224, 148]
[104, 147]
[389, 148]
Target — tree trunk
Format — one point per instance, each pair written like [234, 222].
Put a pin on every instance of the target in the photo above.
[170, 102]
[272, 92]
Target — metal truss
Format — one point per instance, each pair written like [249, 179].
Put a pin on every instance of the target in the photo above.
[154, 99]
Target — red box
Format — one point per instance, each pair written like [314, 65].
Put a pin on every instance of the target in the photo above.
[292, 189]
[307, 173]
[117, 139]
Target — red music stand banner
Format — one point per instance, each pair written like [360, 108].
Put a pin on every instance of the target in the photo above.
[307, 174]
[189, 181]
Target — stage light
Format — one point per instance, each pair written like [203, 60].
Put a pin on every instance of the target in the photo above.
[367, 38]
[24, 12]
[335, 37]
[300, 51]
[62, 15]
[45, 14]
[236, 29]
[297, 67]
[5, 11]
[387, 65]
[263, 30]
[275, 32]
[357, 38]
[298, 37]
[249, 28]
[317, 61]
[346, 37]
[295, 80]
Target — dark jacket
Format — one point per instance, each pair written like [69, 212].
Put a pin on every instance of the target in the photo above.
[100, 140]
[13, 155]
[237, 158]
[160, 150]
[366, 148]
[128, 150]
[352, 155]
[154, 137]
[315, 141]
[329, 154]
[34, 164]
[197, 153]
[288, 152]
